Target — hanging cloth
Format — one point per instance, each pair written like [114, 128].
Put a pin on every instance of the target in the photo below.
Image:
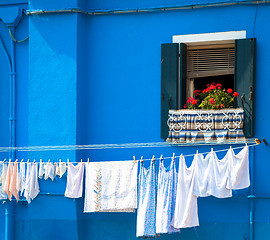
[186, 210]
[34, 186]
[3, 173]
[22, 177]
[201, 172]
[218, 176]
[74, 180]
[111, 186]
[166, 196]
[42, 169]
[14, 187]
[27, 182]
[146, 212]
[61, 169]
[8, 180]
[238, 169]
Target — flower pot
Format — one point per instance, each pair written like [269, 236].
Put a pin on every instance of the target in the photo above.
[206, 126]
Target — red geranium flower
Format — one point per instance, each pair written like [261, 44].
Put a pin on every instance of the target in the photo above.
[185, 106]
[236, 94]
[222, 105]
[194, 101]
[229, 90]
[212, 101]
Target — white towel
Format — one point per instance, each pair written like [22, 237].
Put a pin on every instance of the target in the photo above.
[22, 177]
[74, 180]
[14, 186]
[3, 173]
[42, 169]
[111, 186]
[186, 210]
[31, 186]
[238, 169]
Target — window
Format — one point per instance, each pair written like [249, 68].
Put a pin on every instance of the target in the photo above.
[187, 66]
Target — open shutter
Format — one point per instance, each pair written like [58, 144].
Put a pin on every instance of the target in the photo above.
[245, 81]
[183, 75]
[169, 83]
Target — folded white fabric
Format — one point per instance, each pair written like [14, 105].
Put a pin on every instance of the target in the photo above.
[74, 180]
[186, 210]
[238, 166]
[111, 186]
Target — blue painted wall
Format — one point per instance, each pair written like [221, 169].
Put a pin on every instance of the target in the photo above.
[85, 79]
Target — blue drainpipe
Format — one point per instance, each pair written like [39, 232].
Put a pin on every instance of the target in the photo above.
[252, 197]
[11, 16]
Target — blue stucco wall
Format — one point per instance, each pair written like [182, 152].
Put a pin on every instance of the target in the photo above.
[85, 79]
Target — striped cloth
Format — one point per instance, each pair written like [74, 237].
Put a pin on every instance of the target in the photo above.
[224, 125]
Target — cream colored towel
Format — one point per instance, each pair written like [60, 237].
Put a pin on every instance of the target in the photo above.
[111, 186]
[8, 180]
[14, 187]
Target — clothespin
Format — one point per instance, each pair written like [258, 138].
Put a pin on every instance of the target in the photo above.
[173, 156]
[88, 160]
[10, 160]
[246, 144]
[34, 160]
[212, 150]
[81, 159]
[49, 160]
[134, 159]
[22, 160]
[16, 160]
[153, 158]
[68, 160]
[59, 160]
[197, 152]
[257, 141]
[181, 155]
[4, 160]
[28, 160]
[141, 159]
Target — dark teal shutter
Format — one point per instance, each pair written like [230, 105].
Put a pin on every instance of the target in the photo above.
[169, 83]
[183, 75]
[245, 81]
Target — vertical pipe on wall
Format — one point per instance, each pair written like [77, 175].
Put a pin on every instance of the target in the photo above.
[9, 220]
[251, 212]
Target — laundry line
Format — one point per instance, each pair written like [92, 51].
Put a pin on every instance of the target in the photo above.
[115, 146]
[134, 159]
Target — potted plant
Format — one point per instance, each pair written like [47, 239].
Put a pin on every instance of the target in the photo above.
[208, 116]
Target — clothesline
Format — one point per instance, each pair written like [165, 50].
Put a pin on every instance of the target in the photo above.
[109, 146]
[149, 159]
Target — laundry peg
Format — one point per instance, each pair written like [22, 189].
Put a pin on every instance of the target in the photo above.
[134, 159]
[49, 160]
[34, 160]
[16, 160]
[59, 160]
[246, 144]
[197, 152]
[68, 160]
[212, 149]
[81, 159]
[88, 160]
[173, 156]
[161, 157]
[22, 160]
[181, 155]
[153, 158]
[28, 160]
[141, 159]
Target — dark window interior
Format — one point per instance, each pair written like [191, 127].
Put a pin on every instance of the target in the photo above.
[227, 81]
